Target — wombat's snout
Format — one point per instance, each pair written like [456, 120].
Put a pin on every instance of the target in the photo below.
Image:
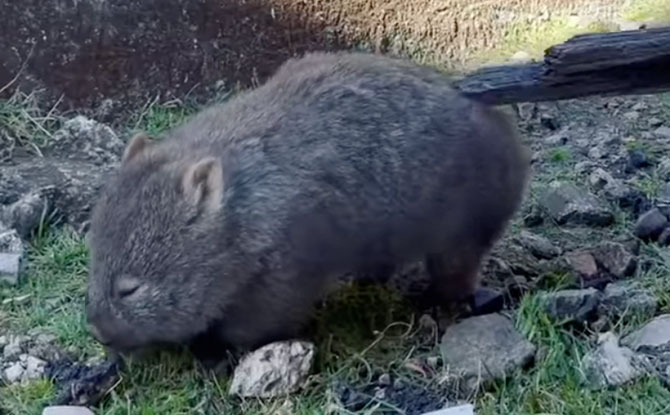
[97, 334]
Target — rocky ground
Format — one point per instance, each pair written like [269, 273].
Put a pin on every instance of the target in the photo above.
[574, 317]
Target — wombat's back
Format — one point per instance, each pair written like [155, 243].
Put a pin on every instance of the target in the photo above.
[347, 158]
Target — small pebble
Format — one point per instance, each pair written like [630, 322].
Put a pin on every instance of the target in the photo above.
[66, 410]
[655, 122]
[384, 379]
[13, 373]
[663, 132]
[454, 410]
[650, 225]
[638, 159]
[10, 267]
[549, 122]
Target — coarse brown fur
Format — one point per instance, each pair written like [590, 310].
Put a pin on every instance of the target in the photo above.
[241, 218]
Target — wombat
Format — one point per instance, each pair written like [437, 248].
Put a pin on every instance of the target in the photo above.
[240, 219]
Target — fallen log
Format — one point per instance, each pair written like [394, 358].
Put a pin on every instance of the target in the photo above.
[619, 63]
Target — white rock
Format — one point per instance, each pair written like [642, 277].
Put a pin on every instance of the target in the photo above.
[521, 57]
[275, 369]
[14, 372]
[10, 241]
[10, 267]
[663, 132]
[66, 410]
[34, 368]
[611, 365]
[468, 409]
[653, 337]
[13, 347]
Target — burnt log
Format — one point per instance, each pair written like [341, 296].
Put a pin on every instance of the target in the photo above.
[619, 63]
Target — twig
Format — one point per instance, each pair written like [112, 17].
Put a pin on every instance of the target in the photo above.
[18, 74]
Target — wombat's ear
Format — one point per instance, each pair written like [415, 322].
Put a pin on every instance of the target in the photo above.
[202, 183]
[136, 146]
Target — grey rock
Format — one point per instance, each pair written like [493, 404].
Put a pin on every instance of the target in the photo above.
[273, 370]
[662, 132]
[483, 348]
[655, 122]
[570, 305]
[638, 159]
[653, 337]
[66, 410]
[614, 258]
[639, 106]
[10, 267]
[384, 379]
[627, 297]
[559, 138]
[613, 189]
[598, 152]
[10, 241]
[533, 216]
[650, 225]
[568, 204]
[663, 199]
[585, 166]
[84, 139]
[13, 348]
[663, 168]
[517, 261]
[611, 365]
[582, 263]
[467, 409]
[34, 367]
[13, 373]
[538, 245]
[631, 115]
[25, 214]
[549, 121]
[526, 110]
[70, 187]
[44, 346]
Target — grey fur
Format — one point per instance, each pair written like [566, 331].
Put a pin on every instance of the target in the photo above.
[339, 162]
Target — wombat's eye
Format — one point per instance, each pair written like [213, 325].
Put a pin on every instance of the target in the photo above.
[126, 286]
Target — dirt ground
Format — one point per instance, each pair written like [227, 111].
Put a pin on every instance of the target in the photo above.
[114, 56]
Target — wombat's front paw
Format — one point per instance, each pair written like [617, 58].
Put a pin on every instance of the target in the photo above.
[222, 367]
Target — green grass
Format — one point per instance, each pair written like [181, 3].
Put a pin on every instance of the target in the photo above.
[24, 123]
[649, 184]
[645, 10]
[533, 38]
[361, 331]
[555, 385]
[157, 117]
[560, 155]
[55, 281]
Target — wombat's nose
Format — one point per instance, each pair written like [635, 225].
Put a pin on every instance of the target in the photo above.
[97, 334]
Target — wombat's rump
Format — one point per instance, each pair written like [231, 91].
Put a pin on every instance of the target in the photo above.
[240, 219]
